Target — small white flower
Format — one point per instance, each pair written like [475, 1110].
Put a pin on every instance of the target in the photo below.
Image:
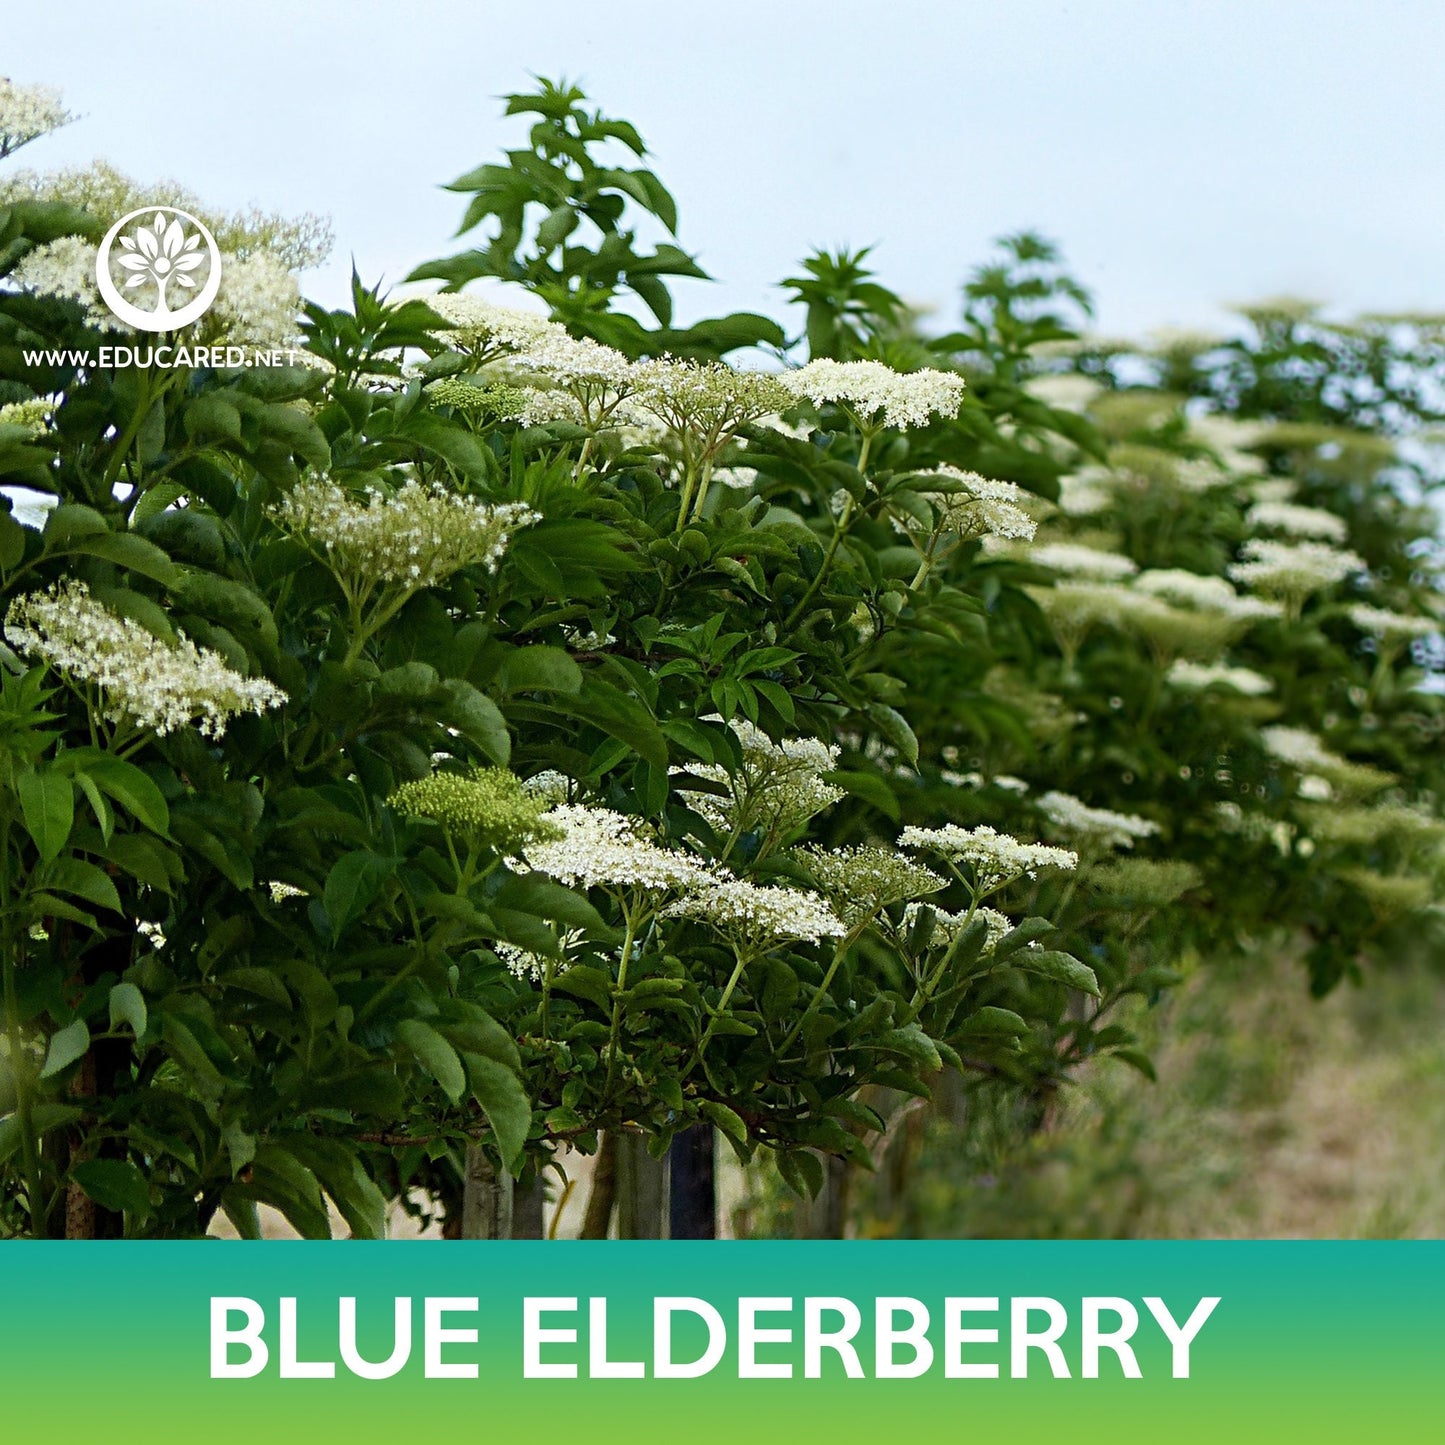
[1200, 676]
[418, 536]
[1089, 563]
[975, 506]
[995, 858]
[28, 112]
[947, 926]
[756, 917]
[1101, 827]
[1392, 626]
[1296, 521]
[597, 848]
[871, 389]
[142, 679]
[1282, 569]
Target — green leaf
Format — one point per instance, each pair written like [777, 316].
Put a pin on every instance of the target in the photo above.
[104, 813]
[211, 415]
[479, 1033]
[66, 1046]
[477, 718]
[498, 1090]
[114, 1184]
[124, 783]
[133, 553]
[535, 669]
[894, 727]
[196, 1063]
[12, 542]
[990, 1022]
[47, 803]
[725, 1119]
[802, 1172]
[83, 880]
[1061, 967]
[70, 521]
[375, 1092]
[128, 1005]
[1139, 1061]
[586, 982]
[914, 1044]
[535, 893]
[435, 1055]
[352, 884]
[1027, 931]
[43, 1117]
[870, 787]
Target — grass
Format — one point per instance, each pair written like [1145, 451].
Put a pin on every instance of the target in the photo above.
[1273, 1117]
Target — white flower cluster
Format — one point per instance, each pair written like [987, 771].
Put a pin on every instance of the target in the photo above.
[1301, 749]
[860, 881]
[976, 507]
[1199, 676]
[705, 398]
[1200, 474]
[778, 787]
[530, 405]
[259, 301]
[297, 243]
[416, 537]
[532, 967]
[868, 388]
[30, 416]
[520, 962]
[572, 360]
[1093, 827]
[1391, 626]
[995, 858]
[1085, 493]
[947, 926]
[757, 916]
[28, 112]
[1210, 594]
[484, 328]
[1296, 521]
[1074, 560]
[597, 848]
[144, 680]
[1293, 570]
[549, 785]
[1006, 781]
[65, 269]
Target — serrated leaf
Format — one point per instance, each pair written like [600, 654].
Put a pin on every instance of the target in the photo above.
[114, 1184]
[47, 803]
[1061, 967]
[498, 1090]
[435, 1055]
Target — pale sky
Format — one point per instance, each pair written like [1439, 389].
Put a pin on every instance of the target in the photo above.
[1185, 153]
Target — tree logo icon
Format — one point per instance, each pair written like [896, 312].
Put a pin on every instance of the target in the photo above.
[167, 260]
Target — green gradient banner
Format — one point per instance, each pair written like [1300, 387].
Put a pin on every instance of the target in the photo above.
[1317, 1342]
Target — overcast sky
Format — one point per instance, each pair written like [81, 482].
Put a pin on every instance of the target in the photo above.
[1185, 153]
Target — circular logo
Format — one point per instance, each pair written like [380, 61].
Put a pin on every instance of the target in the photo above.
[168, 266]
